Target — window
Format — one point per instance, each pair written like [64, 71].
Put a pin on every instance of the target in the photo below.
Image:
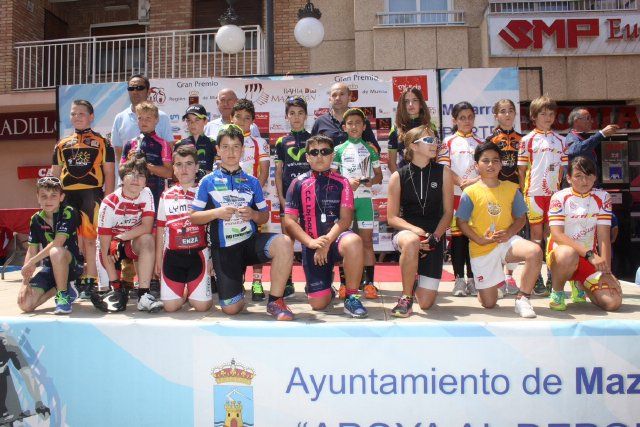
[120, 48]
[407, 12]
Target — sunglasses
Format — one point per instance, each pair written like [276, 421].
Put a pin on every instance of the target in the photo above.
[426, 140]
[323, 152]
[138, 88]
[48, 180]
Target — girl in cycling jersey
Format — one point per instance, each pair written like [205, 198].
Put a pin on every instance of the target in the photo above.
[423, 191]
[580, 244]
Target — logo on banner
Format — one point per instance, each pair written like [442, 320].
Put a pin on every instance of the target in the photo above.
[233, 395]
[157, 95]
[255, 93]
[400, 84]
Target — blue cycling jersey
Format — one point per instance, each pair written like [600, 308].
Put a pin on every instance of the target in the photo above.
[237, 189]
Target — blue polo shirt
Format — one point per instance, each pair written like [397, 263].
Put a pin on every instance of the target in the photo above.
[329, 126]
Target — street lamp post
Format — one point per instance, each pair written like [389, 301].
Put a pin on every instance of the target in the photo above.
[309, 31]
[230, 37]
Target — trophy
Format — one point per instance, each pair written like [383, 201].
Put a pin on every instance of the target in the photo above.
[494, 210]
[365, 170]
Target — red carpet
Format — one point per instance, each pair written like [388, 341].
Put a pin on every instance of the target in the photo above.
[384, 273]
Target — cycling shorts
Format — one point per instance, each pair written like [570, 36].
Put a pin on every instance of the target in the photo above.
[430, 265]
[87, 203]
[45, 279]
[185, 270]
[488, 269]
[538, 209]
[320, 277]
[585, 271]
[230, 264]
[363, 213]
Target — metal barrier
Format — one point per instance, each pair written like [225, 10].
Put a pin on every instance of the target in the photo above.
[166, 54]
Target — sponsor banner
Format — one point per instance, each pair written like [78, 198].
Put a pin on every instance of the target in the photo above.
[33, 172]
[262, 374]
[32, 125]
[482, 87]
[558, 34]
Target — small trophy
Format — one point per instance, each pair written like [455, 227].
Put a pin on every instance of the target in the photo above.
[365, 170]
[494, 210]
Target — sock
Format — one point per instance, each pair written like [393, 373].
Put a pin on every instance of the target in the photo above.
[115, 284]
[141, 292]
[507, 276]
[257, 277]
[368, 273]
[290, 280]
[409, 297]
[351, 292]
[522, 294]
[273, 298]
[343, 279]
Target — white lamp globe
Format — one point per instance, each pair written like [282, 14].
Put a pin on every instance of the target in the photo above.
[230, 39]
[309, 32]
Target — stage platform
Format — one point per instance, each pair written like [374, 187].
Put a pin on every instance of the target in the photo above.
[456, 365]
[447, 308]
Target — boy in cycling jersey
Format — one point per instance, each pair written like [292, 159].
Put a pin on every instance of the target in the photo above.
[238, 209]
[54, 229]
[255, 162]
[359, 162]
[542, 160]
[182, 256]
[319, 213]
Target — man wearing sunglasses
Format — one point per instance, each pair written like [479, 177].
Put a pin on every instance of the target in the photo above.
[318, 213]
[125, 126]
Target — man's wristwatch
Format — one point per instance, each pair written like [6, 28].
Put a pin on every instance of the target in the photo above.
[588, 255]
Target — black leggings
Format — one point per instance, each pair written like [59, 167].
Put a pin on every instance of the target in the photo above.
[460, 256]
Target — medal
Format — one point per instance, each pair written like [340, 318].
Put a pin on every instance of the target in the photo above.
[323, 218]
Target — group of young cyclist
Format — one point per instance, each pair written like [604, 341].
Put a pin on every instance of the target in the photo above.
[196, 236]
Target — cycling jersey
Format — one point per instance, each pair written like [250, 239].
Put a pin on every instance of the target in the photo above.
[65, 222]
[157, 152]
[544, 154]
[173, 214]
[290, 151]
[206, 148]
[255, 150]
[456, 152]
[316, 198]
[395, 143]
[509, 143]
[329, 126]
[119, 213]
[421, 195]
[356, 159]
[580, 214]
[237, 189]
[81, 157]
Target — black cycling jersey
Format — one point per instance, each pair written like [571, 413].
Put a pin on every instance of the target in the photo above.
[418, 188]
[65, 222]
[206, 148]
[290, 150]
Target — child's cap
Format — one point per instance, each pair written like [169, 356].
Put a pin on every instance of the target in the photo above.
[196, 109]
[354, 112]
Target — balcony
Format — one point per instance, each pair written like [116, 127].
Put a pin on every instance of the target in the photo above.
[412, 19]
[540, 6]
[159, 55]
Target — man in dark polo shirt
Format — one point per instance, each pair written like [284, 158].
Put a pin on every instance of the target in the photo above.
[330, 124]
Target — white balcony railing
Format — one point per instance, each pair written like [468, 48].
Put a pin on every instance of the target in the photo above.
[167, 54]
[535, 6]
[401, 19]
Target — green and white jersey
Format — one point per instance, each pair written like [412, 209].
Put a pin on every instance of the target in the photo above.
[355, 159]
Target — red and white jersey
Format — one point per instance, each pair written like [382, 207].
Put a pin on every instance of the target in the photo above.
[580, 214]
[256, 150]
[173, 209]
[545, 155]
[119, 213]
[456, 152]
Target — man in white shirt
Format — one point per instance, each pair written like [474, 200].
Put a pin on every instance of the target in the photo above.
[225, 101]
[125, 126]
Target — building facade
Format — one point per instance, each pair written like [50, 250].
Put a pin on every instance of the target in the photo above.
[580, 52]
